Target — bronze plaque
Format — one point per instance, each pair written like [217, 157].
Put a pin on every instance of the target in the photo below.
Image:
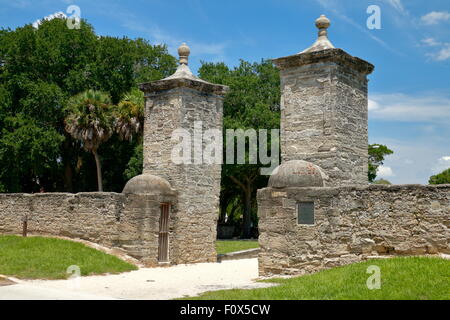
[306, 213]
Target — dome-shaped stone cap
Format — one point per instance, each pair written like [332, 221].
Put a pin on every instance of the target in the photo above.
[147, 184]
[297, 173]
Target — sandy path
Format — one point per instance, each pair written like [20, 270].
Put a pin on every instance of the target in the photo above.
[153, 284]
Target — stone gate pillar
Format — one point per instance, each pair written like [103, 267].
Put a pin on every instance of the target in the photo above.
[183, 105]
[325, 109]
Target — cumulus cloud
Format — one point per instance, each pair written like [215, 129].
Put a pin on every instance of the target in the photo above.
[435, 17]
[408, 108]
[414, 161]
[442, 164]
[385, 172]
[431, 42]
[443, 54]
[444, 49]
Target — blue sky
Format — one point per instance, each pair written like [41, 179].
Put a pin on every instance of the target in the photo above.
[409, 91]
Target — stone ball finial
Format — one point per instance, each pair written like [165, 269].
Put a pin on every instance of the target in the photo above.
[323, 23]
[184, 51]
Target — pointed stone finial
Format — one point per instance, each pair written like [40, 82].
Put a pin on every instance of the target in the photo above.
[323, 23]
[184, 51]
[322, 43]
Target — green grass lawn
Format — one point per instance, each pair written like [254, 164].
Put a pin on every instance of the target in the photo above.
[223, 247]
[48, 258]
[414, 278]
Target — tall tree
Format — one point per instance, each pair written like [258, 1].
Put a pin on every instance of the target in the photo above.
[130, 115]
[40, 68]
[252, 103]
[377, 153]
[91, 120]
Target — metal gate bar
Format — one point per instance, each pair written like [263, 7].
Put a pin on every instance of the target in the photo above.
[163, 249]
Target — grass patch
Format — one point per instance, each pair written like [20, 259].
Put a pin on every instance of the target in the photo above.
[411, 278]
[48, 258]
[223, 247]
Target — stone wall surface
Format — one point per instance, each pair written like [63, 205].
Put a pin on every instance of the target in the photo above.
[198, 183]
[129, 222]
[324, 113]
[351, 224]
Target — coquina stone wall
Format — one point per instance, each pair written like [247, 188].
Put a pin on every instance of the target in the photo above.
[351, 224]
[324, 117]
[195, 107]
[129, 222]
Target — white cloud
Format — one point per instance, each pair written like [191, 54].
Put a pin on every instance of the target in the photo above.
[56, 15]
[397, 4]
[431, 42]
[385, 172]
[442, 164]
[435, 17]
[414, 161]
[373, 105]
[407, 108]
[443, 54]
[444, 49]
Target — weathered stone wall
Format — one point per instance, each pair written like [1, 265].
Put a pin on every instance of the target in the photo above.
[351, 223]
[130, 222]
[198, 184]
[87, 216]
[324, 112]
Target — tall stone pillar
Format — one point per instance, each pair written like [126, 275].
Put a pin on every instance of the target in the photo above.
[325, 109]
[186, 103]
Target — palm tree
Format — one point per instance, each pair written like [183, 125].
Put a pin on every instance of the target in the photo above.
[90, 120]
[129, 115]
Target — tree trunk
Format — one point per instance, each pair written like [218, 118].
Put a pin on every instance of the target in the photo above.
[223, 213]
[68, 174]
[247, 221]
[68, 170]
[99, 171]
[247, 195]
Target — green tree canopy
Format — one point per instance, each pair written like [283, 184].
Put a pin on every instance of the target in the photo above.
[40, 70]
[130, 115]
[441, 178]
[252, 103]
[90, 120]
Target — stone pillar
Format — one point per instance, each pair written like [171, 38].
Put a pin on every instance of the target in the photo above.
[324, 110]
[183, 101]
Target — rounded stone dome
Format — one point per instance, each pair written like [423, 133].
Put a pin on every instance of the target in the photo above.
[147, 184]
[297, 173]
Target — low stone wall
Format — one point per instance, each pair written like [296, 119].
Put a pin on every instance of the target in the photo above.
[351, 223]
[130, 222]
